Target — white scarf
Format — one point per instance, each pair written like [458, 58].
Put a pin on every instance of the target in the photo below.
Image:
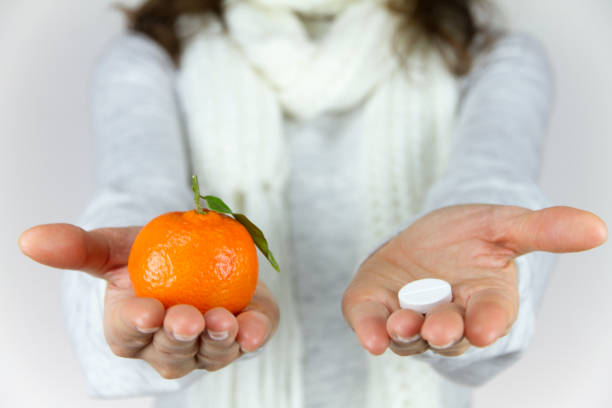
[236, 88]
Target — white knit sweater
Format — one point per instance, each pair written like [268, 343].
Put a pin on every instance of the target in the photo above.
[141, 153]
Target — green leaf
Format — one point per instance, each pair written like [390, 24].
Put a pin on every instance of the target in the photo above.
[217, 204]
[258, 238]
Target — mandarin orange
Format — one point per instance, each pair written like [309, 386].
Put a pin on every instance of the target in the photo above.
[204, 259]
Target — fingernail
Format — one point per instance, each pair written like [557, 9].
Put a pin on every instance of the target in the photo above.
[218, 336]
[250, 354]
[407, 340]
[181, 337]
[147, 331]
[446, 346]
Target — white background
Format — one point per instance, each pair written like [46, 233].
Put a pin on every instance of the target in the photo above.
[47, 50]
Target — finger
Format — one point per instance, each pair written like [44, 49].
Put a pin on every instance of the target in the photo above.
[258, 321]
[214, 359]
[183, 324]
[67, 246]
[221, 329]
[554, 229]
[170, 357]
[489, 315]
[218, 346]
[369, 320]
[404, 327]
[253, 330]
[443, 326]
[410, 347]
[129, 324]
[453, 350]
[173, 349]
[444, 330]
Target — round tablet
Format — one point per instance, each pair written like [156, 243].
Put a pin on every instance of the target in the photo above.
[423, 294]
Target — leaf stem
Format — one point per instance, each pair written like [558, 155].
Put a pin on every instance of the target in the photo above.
[216, 204]
[195, 186]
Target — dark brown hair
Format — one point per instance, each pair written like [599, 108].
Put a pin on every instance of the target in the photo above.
[451, 26]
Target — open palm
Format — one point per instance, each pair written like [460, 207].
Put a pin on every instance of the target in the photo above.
[174, 341]
[473, 247]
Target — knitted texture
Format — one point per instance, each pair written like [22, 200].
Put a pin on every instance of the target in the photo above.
[142, 171]
[236, 90]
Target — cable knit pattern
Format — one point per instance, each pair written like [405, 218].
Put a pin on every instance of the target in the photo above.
[495, 160]
[265, 65]
[141, 153]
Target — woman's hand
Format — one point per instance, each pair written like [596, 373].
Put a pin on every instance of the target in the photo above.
[175, 341]
[473, 248]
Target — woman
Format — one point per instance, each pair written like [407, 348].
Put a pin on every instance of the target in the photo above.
[399, 140]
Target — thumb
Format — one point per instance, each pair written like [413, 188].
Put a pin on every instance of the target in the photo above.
[67, 246]
[555, 229]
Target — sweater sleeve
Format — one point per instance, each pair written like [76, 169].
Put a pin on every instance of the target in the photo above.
[141, 170]
[495, 160]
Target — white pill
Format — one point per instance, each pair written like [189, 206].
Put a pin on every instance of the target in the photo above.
[423, 294]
